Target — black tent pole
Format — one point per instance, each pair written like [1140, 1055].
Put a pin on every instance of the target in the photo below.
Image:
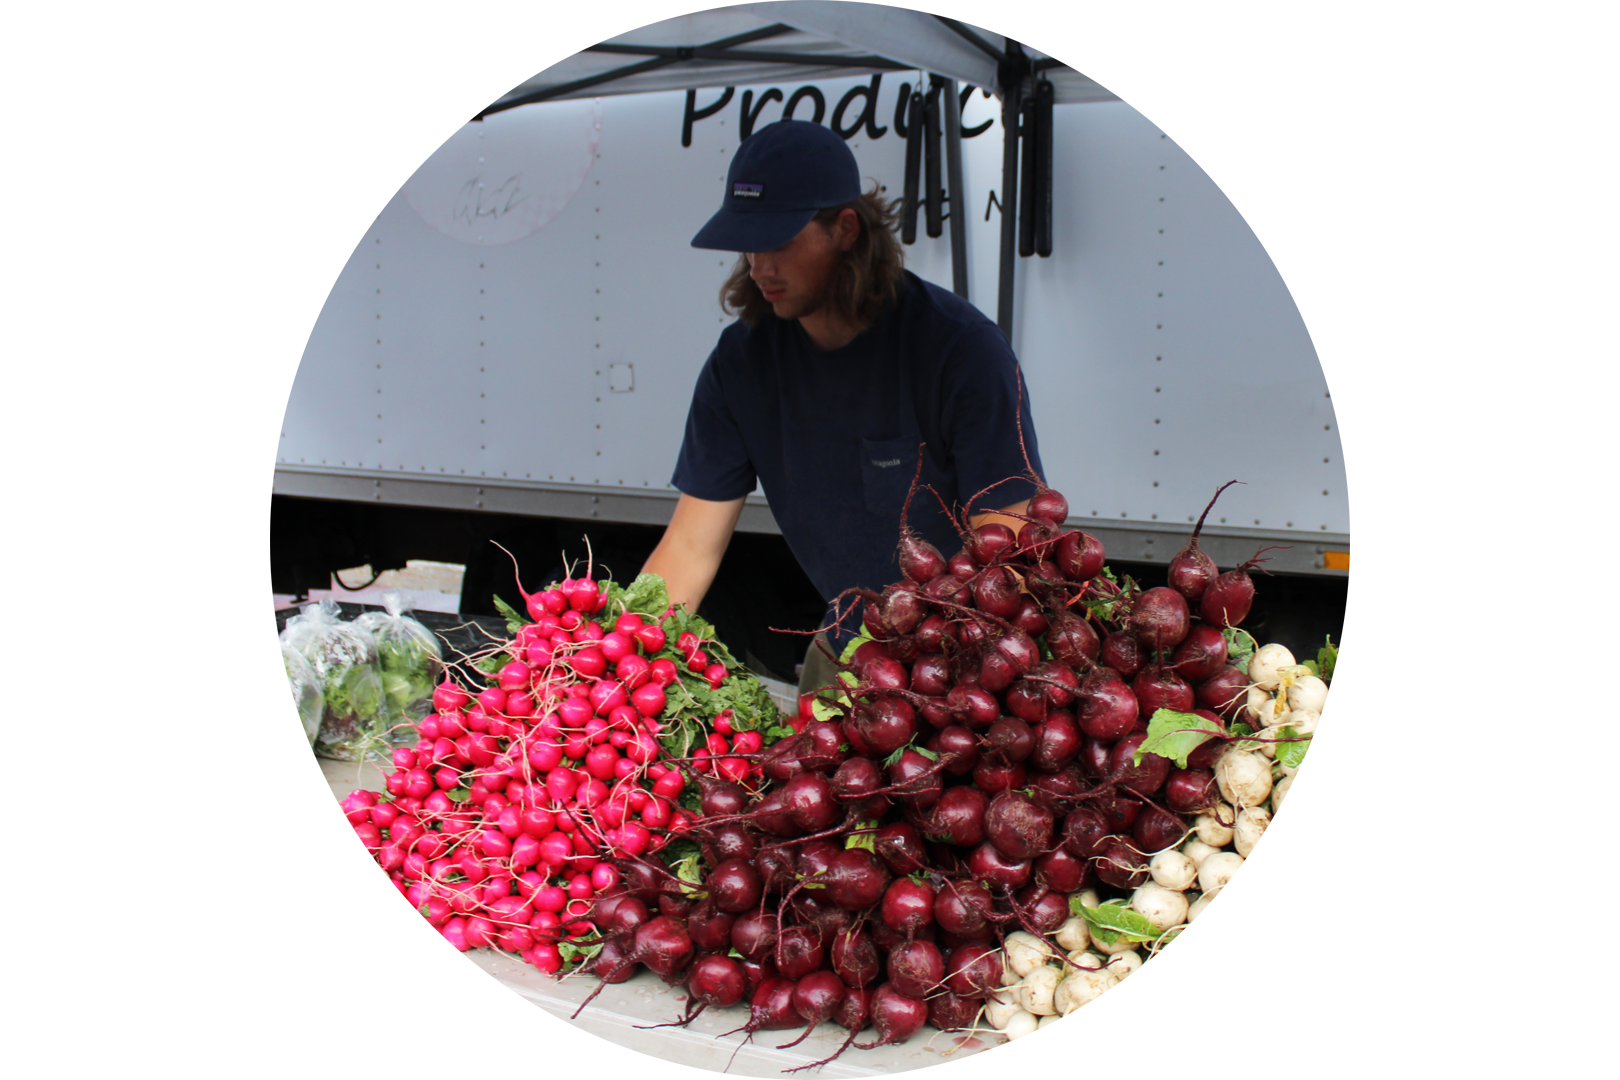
[957, 196]
[1011, 77]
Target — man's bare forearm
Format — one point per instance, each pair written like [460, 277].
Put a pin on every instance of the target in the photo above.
[688, 556]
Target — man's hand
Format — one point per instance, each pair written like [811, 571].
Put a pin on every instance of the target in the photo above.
[689, 555]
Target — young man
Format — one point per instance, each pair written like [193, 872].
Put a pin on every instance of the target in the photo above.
[841, 369]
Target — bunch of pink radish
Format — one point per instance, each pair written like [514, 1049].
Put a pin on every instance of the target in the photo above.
[520, 808]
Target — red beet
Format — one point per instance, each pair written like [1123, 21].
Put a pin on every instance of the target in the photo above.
[962, 907]
[798, 952]
[1018, 826]
[709, 927]
[854, 957]
[916, 780]
[973, 971]
[989, 542]
[1057, 742]
[1079, 555]
[1043, 909]
[1086, 833]
[1157, 829]
[856, 879]
[1060, 871]
[715, 979]
[1073, 641]
[753, 935]
[1122, 653]
[962, 744]
[1159, 619]
[1189, 791]
[1160, 688]
[916, 968]
[908, 905]
[1224, 693]
[900, 846]
[895, 1016]
[995, 591]
[1201, 654]
[1121, 865]
[735, 886]
[1227, 600]
[1191, 571]
[931, 676]
[1209, 751]
[993, 777]
[1144, 779]
[816, 998]
[1107, 708]
[808, 799]
[948, 1012]
[990, 866]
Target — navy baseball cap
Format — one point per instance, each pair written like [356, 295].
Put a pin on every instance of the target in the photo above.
[779, 178]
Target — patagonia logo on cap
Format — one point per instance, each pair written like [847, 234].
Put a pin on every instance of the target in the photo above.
[747, 191]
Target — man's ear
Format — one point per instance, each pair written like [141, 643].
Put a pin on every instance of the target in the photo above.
[847, 229]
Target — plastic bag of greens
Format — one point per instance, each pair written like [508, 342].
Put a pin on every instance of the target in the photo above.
[411, 662]
[306, 690]
[354, 724]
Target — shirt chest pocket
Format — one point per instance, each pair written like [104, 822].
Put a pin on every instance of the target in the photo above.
[887, 466]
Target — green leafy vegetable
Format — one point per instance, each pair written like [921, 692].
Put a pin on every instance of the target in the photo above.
[578, 955]
[822, 709]
[1112, 921]
[854, 643]
[1174, 735]
[1327, 657]
[514, 621]
[1240, 646]
[648, 596]
[1291, 753]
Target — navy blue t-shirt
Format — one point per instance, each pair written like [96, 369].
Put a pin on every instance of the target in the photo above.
[832, 437]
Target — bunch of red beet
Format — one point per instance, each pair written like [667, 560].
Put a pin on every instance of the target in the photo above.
[976, 768]
[514, 815]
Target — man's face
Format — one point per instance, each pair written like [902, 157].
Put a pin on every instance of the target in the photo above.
[795, 278]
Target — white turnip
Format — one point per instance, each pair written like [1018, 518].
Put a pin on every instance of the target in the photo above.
[1214, 826]
[1217, 871]
[1073, 935]
[1264, 663]
[1164, 908]
[1197, 907]
[1197, 850]
[997, 1010]
[1026, 952]
[1278, 790]
[1036, 990]
[1119, 945]
[1019, 1024]
[1244, 778]
[1271, 710]
[1307, 692]
[1302, 720]
[1123, 964]
[1173, 870]
[1251, 823]
[1081, 988]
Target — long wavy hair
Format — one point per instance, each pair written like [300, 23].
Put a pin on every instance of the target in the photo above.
[865, 280]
